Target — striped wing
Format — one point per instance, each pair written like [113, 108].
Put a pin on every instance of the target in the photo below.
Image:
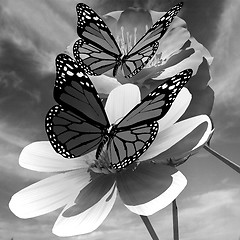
[71, 135]
[137, 130]
[95, 59]
[157, 103]
[96, 48]
[146, 47]
[79, 123]
[99, 52]
[75, 91]
[129, 144]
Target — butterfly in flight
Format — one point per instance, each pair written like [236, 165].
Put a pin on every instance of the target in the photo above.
[79, 123]
[99, 52]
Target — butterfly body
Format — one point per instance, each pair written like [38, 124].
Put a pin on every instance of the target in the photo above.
[119, 61]
[98, 51]
[79, 124]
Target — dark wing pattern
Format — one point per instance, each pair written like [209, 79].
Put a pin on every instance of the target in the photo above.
[99, 52]
[95, 59]
[75, 91]
[71, 135]
[146, 47]
[137, 130]
[78, 124]
[128, 144]
[91, 27]
[134, 63]
[96, 48]
[157, 103]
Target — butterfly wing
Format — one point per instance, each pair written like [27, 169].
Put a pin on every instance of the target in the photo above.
[99, 52]
[95, 59]
[71, 135]
[157, 103]
[78, 124]
[128, 144]
[75, 91]
[96, 48]
[137, 130]
[146, 47]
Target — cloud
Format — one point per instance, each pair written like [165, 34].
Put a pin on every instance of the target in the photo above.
[212, 215]
[10, 136]
[32, 33]
[25, 229]
[25, 95]
[226, 52]
[226, 74]
[32, 24]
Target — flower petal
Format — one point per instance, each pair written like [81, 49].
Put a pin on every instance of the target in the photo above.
[180, 62]
[121, 100]
[202, 77]
[172, 42]
[91, 194]
[191, 55]
[49, 194]
[206, 54]
[149, 187]
[86, 220]
[133, 21]
[113, 14]
[40, 156]
[104, 84]
[189, 145]
[206, 135]
[177, 109]
[202, 103]
[170, 136]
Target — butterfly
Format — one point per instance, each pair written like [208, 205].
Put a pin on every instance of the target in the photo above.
[79, 123]
[99, 52]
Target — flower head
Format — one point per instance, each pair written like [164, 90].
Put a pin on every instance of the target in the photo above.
[177, 51]
[87, 196]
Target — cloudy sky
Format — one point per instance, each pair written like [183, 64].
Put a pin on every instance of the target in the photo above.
[33, 32]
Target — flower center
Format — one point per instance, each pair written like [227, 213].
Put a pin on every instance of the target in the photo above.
[127, 39]
[102, 164]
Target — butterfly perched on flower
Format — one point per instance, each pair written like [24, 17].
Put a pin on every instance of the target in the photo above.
[79, 123]
[99, 52]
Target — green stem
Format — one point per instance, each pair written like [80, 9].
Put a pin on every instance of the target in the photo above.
[175, 220]
[231, 164]
[149, 227]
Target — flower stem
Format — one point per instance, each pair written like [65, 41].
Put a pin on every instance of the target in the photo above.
[231, 164]
[149, 227]
[175, 220]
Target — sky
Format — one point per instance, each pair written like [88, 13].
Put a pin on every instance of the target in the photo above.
[33, 32]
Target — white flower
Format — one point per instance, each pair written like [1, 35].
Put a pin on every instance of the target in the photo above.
[145, 187]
